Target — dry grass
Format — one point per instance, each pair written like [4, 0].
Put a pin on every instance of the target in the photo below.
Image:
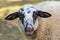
[9, 29]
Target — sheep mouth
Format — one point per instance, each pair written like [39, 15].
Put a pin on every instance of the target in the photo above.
[29, 33]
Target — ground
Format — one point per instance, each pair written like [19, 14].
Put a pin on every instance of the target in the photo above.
[9, 29]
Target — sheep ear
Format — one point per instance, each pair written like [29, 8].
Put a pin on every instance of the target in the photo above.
[12, 16]
[44, 14]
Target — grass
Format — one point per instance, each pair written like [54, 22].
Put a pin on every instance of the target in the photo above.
[18, 3]
[7, 32]
[9, 29]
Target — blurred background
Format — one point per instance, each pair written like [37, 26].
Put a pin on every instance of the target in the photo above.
[9, 29]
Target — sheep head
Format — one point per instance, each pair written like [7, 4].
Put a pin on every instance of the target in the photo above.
[28, 15]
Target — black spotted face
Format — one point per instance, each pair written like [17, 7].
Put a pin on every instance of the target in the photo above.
[29, 19]
[28, 16]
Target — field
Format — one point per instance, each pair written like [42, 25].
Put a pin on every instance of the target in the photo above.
[9, 29]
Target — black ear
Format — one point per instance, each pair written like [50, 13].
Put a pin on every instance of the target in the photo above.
[12, 16]
[43, 14]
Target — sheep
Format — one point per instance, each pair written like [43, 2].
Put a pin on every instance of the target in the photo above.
[39, 22]
[28, 19]
[51, 28]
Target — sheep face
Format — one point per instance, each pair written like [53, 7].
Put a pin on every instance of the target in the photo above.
[28, 16]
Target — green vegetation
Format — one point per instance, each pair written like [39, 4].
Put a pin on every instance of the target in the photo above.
[9, 29]
[17, 3]
[7, 33]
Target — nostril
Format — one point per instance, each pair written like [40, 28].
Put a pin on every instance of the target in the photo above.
[30, 25]
[30, 30]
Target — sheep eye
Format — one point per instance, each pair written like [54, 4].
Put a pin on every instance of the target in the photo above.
[22, 9]
[22, 18]
[34, 16]
[34, 13]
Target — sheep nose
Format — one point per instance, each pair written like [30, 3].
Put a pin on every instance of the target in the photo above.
[28, 29]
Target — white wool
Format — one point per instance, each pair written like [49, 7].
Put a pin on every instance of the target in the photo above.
[49, 28]
[49, 5]
[52, 23]
[28, 5]
[29, 16]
